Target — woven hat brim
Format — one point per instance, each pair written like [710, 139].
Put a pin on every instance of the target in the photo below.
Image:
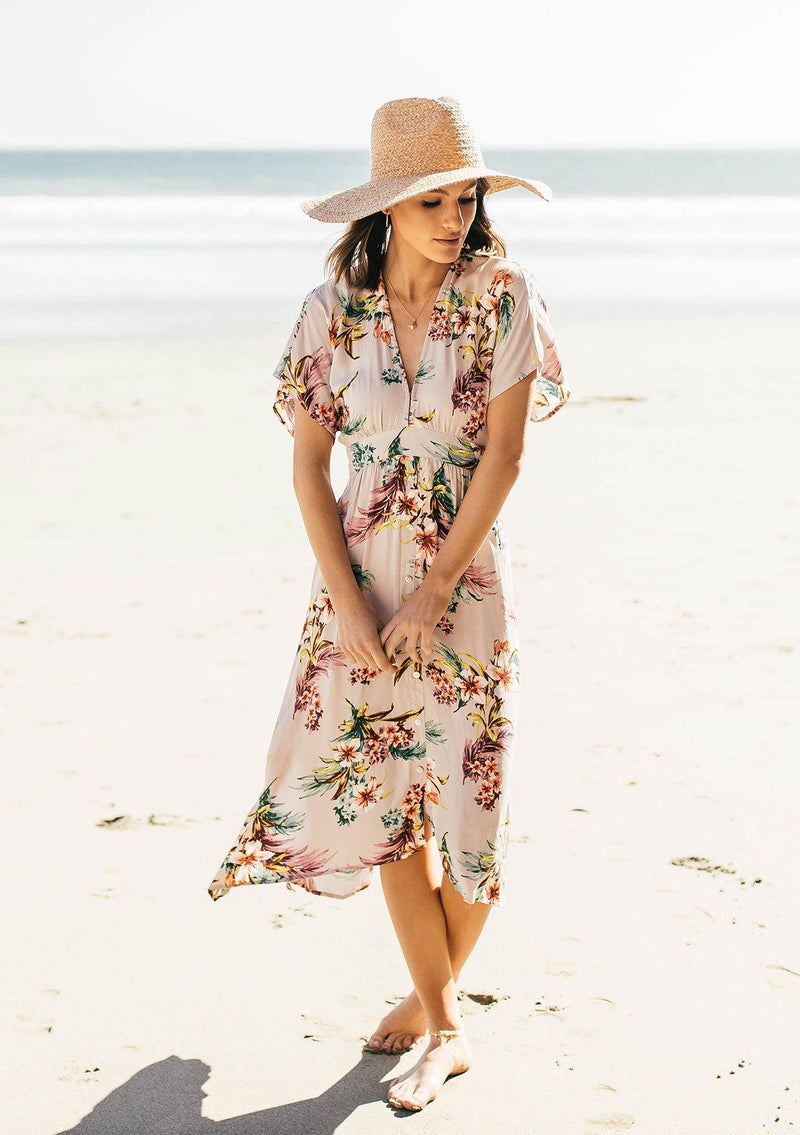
[371, 196]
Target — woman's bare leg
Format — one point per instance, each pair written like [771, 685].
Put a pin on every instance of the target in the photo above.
[414, 897]
[421, 928]
[406, 1022]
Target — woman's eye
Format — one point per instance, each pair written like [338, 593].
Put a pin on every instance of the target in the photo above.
[433, 204]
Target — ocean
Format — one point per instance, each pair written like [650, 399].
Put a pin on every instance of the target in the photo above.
[141, 243]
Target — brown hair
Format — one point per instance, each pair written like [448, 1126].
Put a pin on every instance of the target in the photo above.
[357, 256]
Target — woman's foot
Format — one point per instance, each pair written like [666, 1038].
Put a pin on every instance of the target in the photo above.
[442, 1058]
[401, 1028]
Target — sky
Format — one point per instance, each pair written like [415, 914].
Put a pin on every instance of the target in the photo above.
[265, 73]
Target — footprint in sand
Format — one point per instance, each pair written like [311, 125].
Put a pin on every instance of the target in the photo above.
[123, 822]
[782, 979]
[38, 1020]
[611, 1120]
[79, 1072]
[586, 1021]
[700, 863]
[317, 1028]
[556, 968]
[288, 917]
[617, 858]
[617, 1121]
[614, 398]
[119, 823]
[552, 1009]
[600, 1006]
[486, 999]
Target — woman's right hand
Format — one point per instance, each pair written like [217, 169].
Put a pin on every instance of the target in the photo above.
[358, 626]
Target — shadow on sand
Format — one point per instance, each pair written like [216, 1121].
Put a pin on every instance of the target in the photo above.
[165, 1099]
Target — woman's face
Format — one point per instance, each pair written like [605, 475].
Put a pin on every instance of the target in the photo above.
[436, 223]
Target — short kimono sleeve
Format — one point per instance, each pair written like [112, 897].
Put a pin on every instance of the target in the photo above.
[304, 369]
[525, 342]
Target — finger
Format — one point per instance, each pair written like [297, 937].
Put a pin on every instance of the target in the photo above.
[380, 661]
[377, 655]
[393, 641]
[412, 646]
[387, 637]
[358, 659]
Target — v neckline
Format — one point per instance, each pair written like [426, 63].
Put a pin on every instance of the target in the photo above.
[382, 288]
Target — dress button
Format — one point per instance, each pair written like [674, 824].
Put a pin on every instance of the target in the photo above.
[409, 578]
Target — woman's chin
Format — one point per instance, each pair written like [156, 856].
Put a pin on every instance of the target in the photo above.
[445, 253]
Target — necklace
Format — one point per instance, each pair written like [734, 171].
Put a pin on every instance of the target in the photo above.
[414, 318]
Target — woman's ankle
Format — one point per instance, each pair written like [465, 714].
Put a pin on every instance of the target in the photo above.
[445, 1025]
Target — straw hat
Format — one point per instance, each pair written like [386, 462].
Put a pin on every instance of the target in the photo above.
[418, 144]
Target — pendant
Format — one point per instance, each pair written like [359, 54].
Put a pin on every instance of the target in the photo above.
[412, 325]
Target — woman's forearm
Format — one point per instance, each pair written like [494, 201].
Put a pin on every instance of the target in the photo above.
[488, 489]
[317, 501]
[491, 483]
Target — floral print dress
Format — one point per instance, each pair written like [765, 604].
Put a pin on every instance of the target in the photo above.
[358, 757]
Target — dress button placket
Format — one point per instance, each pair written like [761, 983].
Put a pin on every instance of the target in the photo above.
[417, 670]
[412, 483]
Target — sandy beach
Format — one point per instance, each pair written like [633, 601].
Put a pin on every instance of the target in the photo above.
[645, 972]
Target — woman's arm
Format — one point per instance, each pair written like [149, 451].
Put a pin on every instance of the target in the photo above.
[496, 472]
[311, 479]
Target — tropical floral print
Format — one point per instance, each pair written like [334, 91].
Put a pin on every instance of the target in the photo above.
[359, 758]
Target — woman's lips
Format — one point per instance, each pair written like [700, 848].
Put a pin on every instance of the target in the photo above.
[449, 240]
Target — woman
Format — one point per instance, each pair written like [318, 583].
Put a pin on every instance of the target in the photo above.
[425, 351]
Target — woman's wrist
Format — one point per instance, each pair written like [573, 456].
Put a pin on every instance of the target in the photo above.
[439, 582]
[346, 597]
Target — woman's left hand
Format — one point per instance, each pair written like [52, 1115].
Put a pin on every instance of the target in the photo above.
[415, 621]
